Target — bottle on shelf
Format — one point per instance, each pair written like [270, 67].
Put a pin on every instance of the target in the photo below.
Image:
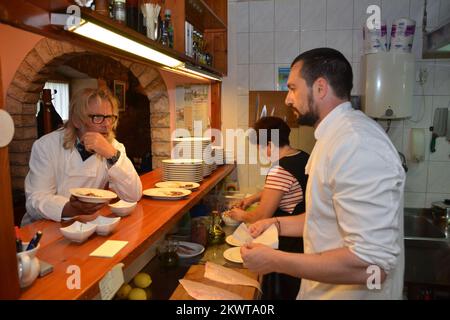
[132, 14]
[167, 30]
[119, 11]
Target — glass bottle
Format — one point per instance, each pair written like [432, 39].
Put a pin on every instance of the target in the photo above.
[119, 11]
[132, 14]
[216, 235]
[169, 28]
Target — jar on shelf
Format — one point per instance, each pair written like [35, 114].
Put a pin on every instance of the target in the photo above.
[119, 11]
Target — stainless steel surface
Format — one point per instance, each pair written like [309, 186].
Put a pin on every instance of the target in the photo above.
[420, 227]
[427, 248]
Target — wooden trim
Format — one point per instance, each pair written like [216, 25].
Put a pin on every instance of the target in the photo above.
[216, 99]
[9, 279]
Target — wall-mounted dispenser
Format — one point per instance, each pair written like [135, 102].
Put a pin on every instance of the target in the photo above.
[417, 145]
[388, 85]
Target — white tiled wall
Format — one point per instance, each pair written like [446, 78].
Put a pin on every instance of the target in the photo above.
[266, 34]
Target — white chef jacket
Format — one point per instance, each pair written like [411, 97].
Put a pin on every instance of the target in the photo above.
[354, 199]
[54, 170]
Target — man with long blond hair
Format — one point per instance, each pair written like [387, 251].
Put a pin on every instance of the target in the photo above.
[84, 153]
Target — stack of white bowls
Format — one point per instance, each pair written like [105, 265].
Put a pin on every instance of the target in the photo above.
[189, 170]
[194, 148]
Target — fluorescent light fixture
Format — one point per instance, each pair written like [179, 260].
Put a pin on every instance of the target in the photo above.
[93, 31]
[202, 73]
[184, 73]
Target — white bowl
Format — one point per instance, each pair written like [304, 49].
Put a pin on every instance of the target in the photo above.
[229, 221]
[78, 232]
[104, 225]
[122, 208]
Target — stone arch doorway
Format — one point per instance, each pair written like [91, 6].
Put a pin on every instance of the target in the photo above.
[28, 81]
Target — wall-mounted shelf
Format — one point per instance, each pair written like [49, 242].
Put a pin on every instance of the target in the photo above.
[34, 16]
[202, 16]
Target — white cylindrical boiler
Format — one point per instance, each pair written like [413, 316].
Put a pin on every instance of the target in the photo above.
[388, 85]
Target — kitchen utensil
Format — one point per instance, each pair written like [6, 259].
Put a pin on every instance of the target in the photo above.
[439, 126]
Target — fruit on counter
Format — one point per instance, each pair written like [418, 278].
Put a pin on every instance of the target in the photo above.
[142, 280]
[137, 294]
[124, 291]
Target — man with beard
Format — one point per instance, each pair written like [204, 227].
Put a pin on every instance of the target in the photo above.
[83, 153]
[353, 226]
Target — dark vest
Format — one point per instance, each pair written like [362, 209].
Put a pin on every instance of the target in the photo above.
[277, 286]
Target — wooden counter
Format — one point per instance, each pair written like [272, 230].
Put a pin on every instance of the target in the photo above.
[150, 220]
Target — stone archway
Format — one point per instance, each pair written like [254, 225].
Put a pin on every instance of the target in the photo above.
[29, 80]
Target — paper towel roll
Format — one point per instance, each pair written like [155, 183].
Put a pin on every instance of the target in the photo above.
[417, 146]
[402, 35]
[375, 40]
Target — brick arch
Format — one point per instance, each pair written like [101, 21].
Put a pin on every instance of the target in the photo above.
[29, 80]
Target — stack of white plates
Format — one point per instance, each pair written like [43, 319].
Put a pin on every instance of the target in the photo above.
[229, 156]
[218, 155]
[183, 170]
[194, 148]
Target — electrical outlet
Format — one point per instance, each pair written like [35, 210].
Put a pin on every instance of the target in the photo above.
[422, 76]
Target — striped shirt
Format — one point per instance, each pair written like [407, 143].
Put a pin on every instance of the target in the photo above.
[280, 179]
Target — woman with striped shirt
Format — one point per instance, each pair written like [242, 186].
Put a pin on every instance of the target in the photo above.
[283, 194]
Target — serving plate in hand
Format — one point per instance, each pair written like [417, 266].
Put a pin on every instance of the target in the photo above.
[93, 195]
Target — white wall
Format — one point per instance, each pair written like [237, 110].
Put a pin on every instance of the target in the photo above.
[78, 84]
[265, 34]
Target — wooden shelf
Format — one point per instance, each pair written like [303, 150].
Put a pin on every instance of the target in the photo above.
[20, 15]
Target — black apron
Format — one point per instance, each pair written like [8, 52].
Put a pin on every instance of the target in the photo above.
[278, 286]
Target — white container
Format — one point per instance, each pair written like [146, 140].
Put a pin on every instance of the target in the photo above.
[388, 85]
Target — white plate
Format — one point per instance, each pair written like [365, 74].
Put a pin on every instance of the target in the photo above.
[232, 241]
[233, 255]
[165, 193]
[178, 184]
[191, 162]
[93, 195]
[196, 249]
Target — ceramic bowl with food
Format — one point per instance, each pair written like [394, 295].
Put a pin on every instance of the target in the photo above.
[229, 221]
[122, 208]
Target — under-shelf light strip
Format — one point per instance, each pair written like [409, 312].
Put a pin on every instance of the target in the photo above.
[93, 31]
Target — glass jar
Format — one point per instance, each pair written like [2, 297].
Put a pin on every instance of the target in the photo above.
[119, 11]
[216, 235]
[199, 232]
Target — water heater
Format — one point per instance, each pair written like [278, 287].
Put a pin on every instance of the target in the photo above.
[388, 85]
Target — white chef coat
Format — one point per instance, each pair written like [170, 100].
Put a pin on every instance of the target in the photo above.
[354, 199]
[54, 170]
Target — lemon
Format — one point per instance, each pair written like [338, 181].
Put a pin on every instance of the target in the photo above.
[137, 294]
[123, 291]
[142, 280]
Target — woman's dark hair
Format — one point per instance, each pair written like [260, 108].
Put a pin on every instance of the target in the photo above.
[272, 123]
[329, 64]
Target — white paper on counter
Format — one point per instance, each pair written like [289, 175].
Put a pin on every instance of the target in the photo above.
[111, 282]
[268, 237]
[200, 291]
[225, 275]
